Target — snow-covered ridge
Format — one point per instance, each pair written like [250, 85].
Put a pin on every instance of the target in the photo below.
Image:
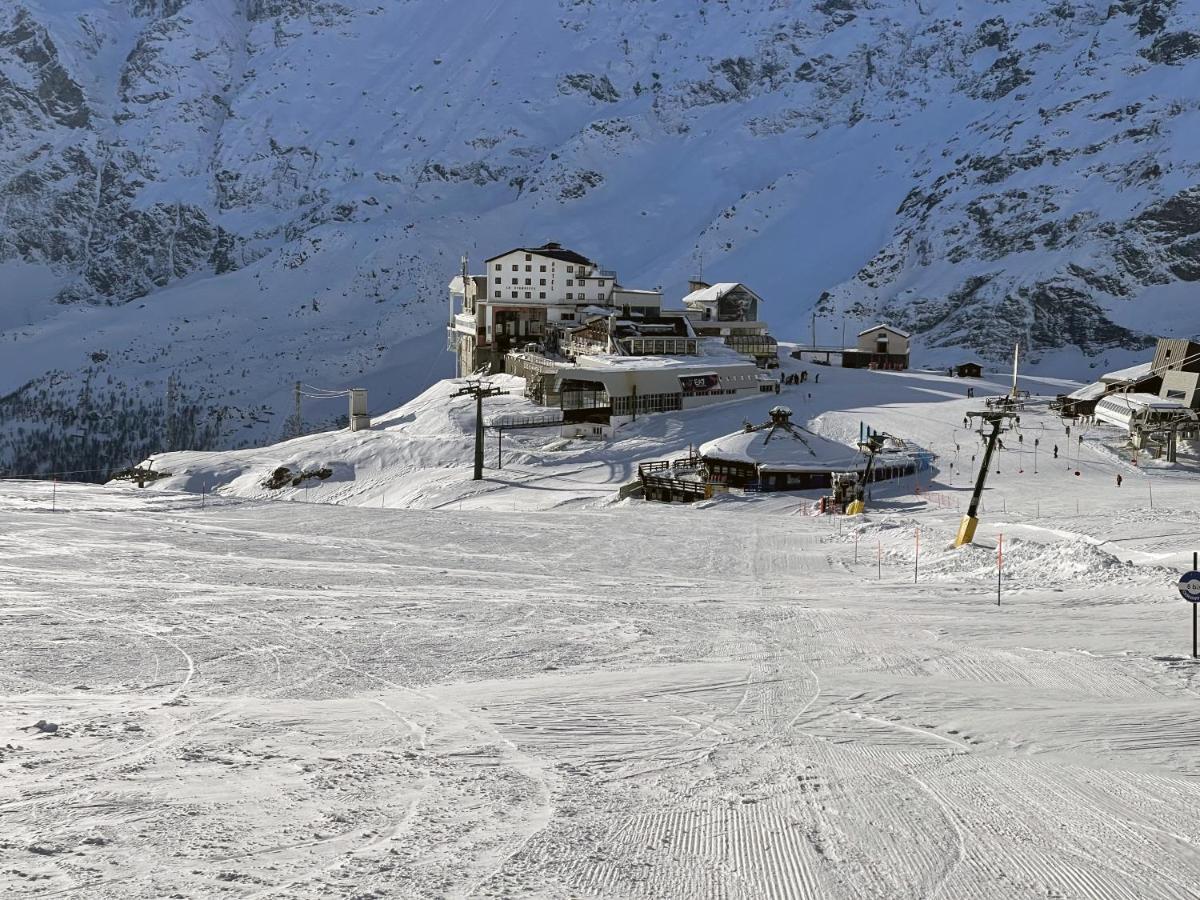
[419, 456]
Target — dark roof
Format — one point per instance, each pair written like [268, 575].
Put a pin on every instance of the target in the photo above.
[552, 250]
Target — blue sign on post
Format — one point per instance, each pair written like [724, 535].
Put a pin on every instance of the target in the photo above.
[1189, 587]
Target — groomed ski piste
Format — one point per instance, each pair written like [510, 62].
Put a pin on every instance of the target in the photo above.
[399, 682]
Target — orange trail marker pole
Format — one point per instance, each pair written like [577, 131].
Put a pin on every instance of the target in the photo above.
[917, 558]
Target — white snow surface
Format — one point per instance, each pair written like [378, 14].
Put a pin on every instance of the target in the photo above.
[520, 687]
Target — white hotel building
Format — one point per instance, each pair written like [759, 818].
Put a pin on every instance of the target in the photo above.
[525, 292]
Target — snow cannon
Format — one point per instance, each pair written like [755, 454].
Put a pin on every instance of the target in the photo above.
[846, 494]
[966, 530]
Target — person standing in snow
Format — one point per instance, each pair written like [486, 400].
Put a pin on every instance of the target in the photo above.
[817, 380]
[1056, 451]
[1119, 479]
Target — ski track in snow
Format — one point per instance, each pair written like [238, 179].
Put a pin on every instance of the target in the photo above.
[302, 700]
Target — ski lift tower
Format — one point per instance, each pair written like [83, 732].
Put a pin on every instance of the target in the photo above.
[998, 419]
[871, 446]
[478, 388]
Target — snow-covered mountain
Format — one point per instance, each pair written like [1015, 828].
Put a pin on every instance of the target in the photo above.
[204, 201]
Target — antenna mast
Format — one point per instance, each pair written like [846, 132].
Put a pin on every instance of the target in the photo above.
[1016, 358]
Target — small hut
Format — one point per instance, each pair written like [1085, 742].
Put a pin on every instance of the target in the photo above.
[880, 347]
[969, 370]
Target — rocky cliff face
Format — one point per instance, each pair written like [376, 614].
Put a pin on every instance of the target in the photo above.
[232, 195]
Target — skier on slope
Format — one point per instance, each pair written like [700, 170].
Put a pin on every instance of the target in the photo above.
[1119, 479]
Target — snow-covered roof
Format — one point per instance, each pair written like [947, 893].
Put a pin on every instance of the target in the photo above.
[456, 283]
[882, 327]
[1133, 373]
[1151, 401]
[1093, 391]
[684, 364]
[714, 292]
[784, 447]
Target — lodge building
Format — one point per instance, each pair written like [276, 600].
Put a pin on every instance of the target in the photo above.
[603, 353]
[529, 293]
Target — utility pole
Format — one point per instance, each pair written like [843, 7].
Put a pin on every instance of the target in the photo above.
[478, 390]
[966, 530]
[814, 329]
[452, 338]
[298, 427]
[1016, 359]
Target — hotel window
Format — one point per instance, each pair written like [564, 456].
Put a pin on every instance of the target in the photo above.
[514, 281]
[570, 268]
[528, 295]
[541, 268]
[541, 295]
[570, 296]
[497, 293]
[600, 282]
[514, 295]
[570, 282]
[529, 281]
[529, 268]
[499, 267]
[528, 257]
[541, 281]
[514, 267]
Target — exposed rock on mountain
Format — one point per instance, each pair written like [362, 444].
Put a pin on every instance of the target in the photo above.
[240, 194]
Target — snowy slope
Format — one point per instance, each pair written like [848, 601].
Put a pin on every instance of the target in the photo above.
[238, 194]
[259, 699]
[420, 455]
